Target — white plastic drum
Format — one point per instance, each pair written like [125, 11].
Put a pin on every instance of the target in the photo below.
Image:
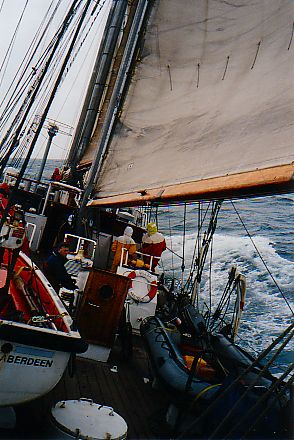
[83, 419]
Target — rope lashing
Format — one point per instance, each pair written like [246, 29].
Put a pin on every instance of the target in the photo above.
[170, 78]
[198, 75]
[226, 67]
[257, 50]
[38, 319]
[291, 38]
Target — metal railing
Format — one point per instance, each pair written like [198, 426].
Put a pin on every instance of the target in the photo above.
[80, 244]
[125, 258]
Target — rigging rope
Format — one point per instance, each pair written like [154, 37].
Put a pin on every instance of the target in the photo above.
[247, 370]
[10, 47]
[210, 278]
[203, 250]
[8, 145]
[63, 29]
[194, 261]
[39, 66]
[80, 43]
[1, 6]
[262, 259]
[30, 54]
[251, 386]
[183, 249]
[171, 244]
[32, 93]
[33, 51]
[270, 404]
[224, 301]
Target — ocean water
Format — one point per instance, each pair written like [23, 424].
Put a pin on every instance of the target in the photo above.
[34, 164]
[269, 221]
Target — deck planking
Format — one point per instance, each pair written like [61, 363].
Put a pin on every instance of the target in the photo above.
[128, 391]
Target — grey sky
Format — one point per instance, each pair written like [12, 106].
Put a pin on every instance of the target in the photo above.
[70, 96]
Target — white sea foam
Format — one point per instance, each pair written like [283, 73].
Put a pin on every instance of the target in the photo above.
[266, 313]
[289, 197]
[235, 250]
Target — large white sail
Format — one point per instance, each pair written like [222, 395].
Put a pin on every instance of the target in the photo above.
[210, 107]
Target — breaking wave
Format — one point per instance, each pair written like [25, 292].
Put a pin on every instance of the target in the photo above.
[266, 313]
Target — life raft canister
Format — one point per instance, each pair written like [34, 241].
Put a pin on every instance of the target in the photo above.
[151, 285]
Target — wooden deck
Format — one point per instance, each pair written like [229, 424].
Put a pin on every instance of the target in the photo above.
[129, 391]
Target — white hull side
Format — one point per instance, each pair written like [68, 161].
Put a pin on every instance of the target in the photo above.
[28, 372]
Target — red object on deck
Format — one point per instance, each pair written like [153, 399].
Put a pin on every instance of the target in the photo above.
[34, 299]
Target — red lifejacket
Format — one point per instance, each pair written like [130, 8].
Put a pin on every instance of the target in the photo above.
[153, 245]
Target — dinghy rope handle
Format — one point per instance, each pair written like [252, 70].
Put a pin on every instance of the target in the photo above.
[152, 286]
[23, 268]
[39, 318]
[200, 394]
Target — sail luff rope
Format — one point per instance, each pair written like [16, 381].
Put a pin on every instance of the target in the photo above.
[115, 100]
[262, 259]
[83, 120]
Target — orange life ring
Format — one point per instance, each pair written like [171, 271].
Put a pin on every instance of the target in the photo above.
[152, 286]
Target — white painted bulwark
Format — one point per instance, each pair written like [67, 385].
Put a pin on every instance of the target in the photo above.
[36, 346]
[28, 372]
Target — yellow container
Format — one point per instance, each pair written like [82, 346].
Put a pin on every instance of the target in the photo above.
[203, 370]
